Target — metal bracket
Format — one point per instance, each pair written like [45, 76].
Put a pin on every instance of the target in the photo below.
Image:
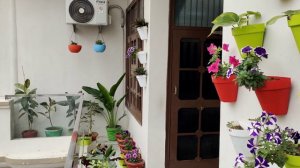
[99, 29]
[74, 28]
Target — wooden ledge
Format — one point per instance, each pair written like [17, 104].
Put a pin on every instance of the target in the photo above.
[4, 103]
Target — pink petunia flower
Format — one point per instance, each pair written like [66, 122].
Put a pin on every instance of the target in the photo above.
[225, 47]
[218, 60]
[213, 67]
[212, 49]
[235, 62]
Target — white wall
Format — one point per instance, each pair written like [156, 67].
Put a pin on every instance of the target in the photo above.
[283, 60]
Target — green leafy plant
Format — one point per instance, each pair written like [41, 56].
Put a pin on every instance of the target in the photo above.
[27, 101]
[50, 107]
[234, 125]
[72, 107]
[287, 14]
[100, 42]
[140, 71]
[107, 98]
[92, 109]
[73, 43]
[140, 23]
[233, 19]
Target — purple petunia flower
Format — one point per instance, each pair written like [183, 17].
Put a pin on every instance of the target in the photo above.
[239, 159]
[276, 137]
[261, 52]
[134, 155]
[229, 72]
[295, 136]
[268, 118]
[130, 51]
[255, 129]
[260, 162]
[246, 49]
[252, 146]
[128, 155]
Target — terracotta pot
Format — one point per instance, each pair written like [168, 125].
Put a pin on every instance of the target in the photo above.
[74, 48]
[94, 136]
[227, 89]
[118, 135]
[29, 133]
[274, 96]
[124, 151]
[135, 165]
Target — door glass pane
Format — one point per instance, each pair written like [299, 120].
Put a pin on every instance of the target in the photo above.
[190, 53]
[210, 120]
[208, 89]
[188, 120]
[197, 13]
[187, 147]
[209, 146]
[189, 85]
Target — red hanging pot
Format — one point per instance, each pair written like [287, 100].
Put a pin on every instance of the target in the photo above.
[274, 96]
[74, 48]
[227, 88]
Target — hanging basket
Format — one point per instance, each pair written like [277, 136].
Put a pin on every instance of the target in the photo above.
[274, 96]
[143, 32]
[142, 55]
[227, 89]
[294, 24]
[142, 79]
[99, 47]
[74, 48]
[251, 35]
[293, 161]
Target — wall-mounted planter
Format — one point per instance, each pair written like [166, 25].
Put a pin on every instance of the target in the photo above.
[251, 35]
[239, 140]
[294, 24]
[143, 32]
[227, 89]
[74, 48]
[142, 55]
[53, 131]
[292, 162]
[99, 47]
[274, 96]
[142, 79]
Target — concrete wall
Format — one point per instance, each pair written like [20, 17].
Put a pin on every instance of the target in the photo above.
[283, 60]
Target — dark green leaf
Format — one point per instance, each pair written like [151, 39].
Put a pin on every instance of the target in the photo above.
[27, 84]
[22, 114]
[107, 99]
[121, 100]
[71, 122]
[114, 88]
[20, 86]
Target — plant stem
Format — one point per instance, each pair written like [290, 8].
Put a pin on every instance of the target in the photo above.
[49, 111]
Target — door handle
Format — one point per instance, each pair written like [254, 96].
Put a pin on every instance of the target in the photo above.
[175, 90]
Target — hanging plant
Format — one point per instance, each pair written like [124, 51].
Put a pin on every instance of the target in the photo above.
[142, 27]
[99, 45]
[74, 47]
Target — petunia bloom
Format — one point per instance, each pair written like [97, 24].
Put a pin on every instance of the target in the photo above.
[252, 146]
[276, 137]
[229, 72]
[235, 62]
[246, 49]
[268, 118]
[260, 162]
[225, 47]
[212, 49]
[213, 67]
[239, 159]
[255, 129]
[261, 52]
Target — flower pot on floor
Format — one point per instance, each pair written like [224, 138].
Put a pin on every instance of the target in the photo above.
[85, 141]
[142, 79]
[227, 89]
[251, 35]
[94, 136]
[74, 48]
[274, 96]
[29, 133]
[135, 165]
[111, 133]
[53, 131]
[294, 24]
[142, 55]
[99, 47]
[239, 140]
[143, 32]
[292, 162]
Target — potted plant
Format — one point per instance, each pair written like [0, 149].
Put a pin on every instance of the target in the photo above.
[142, 56]
[74, 47]
[127, 146]
[107, 98]
[132, 52]
[223, 77]
[267, 88]
[28, 104]
[50, 107]
[142, 27]
[99, 46]
[92, 109]
[243, 32]
[133, 159]
[141, 76]
[292, 148]
[122, 135]
[293, 18]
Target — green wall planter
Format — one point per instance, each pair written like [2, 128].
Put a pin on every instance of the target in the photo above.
[294, 24]
[111, 133]
[53, 131]
[293, 162]
[251, 35]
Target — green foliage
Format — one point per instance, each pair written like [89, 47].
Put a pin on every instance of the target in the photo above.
[27, 101]
[140, 71]
[72, 107]
[50, 107]
[100, 42]
[140, 23]
[93, 108]
[233, 19]
[108, 100]
[234, 125]
[287, 14]
[73, 43]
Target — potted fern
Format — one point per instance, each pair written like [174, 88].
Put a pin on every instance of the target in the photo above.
[142, 27]
[141, 76]
[99, 46]
[111, 105]
[74, 47]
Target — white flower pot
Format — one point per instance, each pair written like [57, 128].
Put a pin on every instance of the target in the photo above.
[142, 55]
[239, 140]
[143, 32]
[142, 79]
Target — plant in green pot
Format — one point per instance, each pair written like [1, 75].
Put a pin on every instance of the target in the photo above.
[28, 105]
[244, 33]
[141, 76]
[110, 104]
[50, 107]
[293, 18]
[267, 88]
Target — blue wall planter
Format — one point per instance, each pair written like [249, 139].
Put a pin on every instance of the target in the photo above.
[99, 47]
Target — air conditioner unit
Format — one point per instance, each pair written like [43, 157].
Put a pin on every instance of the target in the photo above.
[87, 12]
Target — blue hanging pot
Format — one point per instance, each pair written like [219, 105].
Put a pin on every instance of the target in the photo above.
[99, 47]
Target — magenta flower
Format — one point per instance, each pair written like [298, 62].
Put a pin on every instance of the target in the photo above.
[225, 47]
[212, 49]
[235, 62]
[213, 67]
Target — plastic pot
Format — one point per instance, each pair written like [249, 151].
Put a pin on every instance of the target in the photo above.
[142, 79]
[142, 56]
[99, 47]
[227, 89]
[143, 32]
[111, 132]
[53, 131]
[294, 24]
[293, 161]
[85, 141]
[29, 133]
[74, 48]
[239, 140]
